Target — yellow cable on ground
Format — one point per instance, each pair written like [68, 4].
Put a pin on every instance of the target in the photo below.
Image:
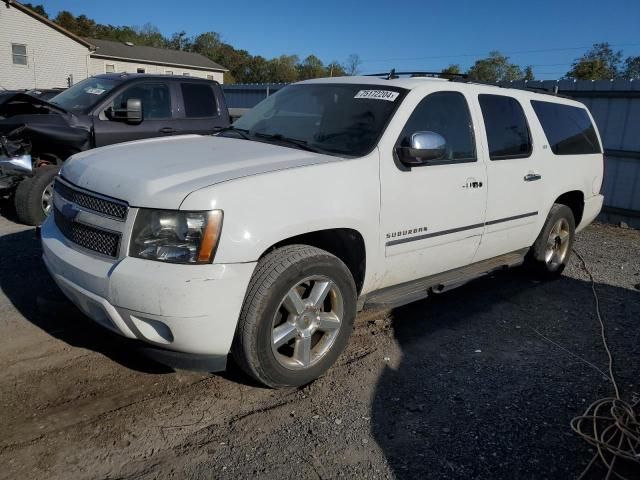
[610, 424]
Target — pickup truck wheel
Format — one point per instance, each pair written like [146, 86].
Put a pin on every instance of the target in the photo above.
[552, 249]
[34, 196]
[297, 316]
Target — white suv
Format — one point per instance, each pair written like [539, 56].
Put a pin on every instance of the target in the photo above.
[264, 240]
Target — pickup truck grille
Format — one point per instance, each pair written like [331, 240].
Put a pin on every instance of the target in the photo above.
[91, 238]
[110, 208]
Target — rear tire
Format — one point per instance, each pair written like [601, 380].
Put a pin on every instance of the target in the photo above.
[551, 251]
[33, 198]
[297, 316]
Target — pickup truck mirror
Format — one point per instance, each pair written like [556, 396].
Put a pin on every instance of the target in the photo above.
[423, 148]
[132, 114]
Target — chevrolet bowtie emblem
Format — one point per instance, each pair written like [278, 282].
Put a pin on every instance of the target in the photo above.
[70, 212]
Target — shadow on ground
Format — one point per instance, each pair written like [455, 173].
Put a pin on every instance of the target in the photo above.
[28, 286]
[480, 393]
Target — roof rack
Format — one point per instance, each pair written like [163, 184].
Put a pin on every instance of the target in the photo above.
[393, 74]
[544, 91]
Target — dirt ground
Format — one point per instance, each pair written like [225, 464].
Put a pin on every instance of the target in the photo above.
[480, 382]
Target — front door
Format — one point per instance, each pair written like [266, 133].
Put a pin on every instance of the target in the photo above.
[157, 110]
[432, 215]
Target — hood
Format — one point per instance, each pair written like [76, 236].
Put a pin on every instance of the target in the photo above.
[161, 172]
[26, 103]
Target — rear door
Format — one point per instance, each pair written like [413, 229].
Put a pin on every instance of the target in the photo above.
[158, 108]
[201, 111]
[515, 195]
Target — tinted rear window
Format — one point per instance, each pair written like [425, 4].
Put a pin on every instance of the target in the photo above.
[199, 100]
[506, 125]
[568, 129]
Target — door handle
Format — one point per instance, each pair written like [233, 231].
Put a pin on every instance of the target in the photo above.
[167, 130]
[532, 177]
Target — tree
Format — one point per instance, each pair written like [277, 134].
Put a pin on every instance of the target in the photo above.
[528, 73]
[494, 68]
[283, 69]
[451, 71]
[632, 68]
[599, 63]
[149, 35]
[352, 65]
[180, 41]
[334, 69]
[311, 67]
[207, 44]
[39, 9]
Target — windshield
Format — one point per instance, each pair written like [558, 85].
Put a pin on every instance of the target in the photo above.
[84, 95]
[337, 119]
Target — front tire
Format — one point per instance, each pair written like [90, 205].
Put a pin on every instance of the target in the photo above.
[34, 196]
[297, 316]
[550, 253]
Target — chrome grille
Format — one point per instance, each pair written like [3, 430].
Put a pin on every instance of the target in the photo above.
[110, 208]
[91, 238]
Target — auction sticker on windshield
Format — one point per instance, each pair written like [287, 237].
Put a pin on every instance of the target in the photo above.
[388, 95]
[95, 91]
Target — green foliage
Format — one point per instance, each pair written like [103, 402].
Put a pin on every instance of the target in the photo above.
[39, 9]
[632, 68]
[311, 67]
[599, 63]
[495, 68]
[528, 73]
[451, 71]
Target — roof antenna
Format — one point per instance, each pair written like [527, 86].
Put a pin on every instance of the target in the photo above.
[392, 74]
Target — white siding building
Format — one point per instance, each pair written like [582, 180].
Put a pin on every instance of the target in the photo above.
[37, 53]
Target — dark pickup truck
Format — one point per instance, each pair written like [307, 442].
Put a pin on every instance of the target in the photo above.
[99, 111]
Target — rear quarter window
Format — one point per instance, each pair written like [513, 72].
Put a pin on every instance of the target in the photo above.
[568, 129]
[199, 100]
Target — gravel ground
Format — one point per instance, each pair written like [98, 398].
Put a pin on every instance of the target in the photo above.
[480, 382]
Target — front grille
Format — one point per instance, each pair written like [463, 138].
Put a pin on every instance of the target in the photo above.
[106, 207]
[91, 238]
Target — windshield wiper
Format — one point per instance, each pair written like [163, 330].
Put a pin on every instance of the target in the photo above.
[278, 137]
[242, 132]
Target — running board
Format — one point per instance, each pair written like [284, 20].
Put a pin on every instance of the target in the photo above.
[408, 292]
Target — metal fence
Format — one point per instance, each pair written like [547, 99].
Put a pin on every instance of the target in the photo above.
[615, 106]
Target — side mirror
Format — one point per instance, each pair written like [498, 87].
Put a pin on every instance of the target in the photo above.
[132, 114]
[424, 147]
[21, 165]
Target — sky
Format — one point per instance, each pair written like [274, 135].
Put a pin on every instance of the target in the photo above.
[402, 34]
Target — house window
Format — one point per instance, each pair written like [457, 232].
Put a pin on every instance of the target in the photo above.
[109, 68]
[19, 53]
[168, 72]
[209, 77]
[141, 70]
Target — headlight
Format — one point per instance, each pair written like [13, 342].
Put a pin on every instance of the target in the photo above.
[175, 236]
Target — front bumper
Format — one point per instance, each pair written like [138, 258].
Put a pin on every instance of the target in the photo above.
[174, 309]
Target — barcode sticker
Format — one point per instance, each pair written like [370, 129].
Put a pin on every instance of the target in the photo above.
[387, 95]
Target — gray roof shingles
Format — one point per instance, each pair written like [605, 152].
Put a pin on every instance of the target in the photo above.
[107, 48]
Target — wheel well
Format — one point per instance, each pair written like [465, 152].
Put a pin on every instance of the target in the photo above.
[344, 243]
[575, 201]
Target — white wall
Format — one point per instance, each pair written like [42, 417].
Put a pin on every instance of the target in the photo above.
[52, 56]
[97, 66]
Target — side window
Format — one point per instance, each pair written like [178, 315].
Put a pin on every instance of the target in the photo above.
[199, 100]
[447, 114]
[507, 128]
[568, 129]
[155, 97]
